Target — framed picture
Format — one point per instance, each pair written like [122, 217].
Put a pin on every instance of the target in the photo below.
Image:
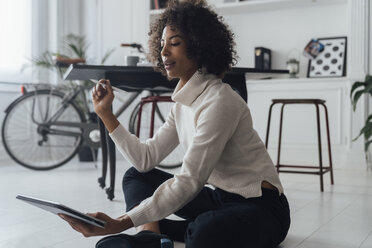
[331, 62]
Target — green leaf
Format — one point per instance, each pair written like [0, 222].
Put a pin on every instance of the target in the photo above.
[45, 60]
[74, 48]
[355, 86]
[362, 131]
[357, 95]
[368, 88]
[107, 55]
[368, 79]
[357, 136]
[24, 67]
[366, 145]
[367, 130]
[369, 119]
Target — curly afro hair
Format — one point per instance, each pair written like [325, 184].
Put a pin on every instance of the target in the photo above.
[209, 40]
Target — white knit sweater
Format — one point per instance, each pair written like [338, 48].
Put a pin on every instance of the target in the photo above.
[213, 125]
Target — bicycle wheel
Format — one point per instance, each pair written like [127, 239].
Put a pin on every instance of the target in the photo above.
[30, 140]
[174, 159]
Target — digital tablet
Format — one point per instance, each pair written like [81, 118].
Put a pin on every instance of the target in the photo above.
[57, 208]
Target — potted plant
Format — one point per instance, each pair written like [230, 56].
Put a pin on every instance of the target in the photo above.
[75, 52]
[357, 90]
[76, 48]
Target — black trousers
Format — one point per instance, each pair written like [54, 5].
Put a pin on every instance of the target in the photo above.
[216, 218]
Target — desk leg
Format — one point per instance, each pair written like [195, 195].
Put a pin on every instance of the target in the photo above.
[111, 148]
[102, 130]
[112, 157]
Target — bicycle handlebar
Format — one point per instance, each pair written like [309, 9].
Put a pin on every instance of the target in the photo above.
[134, 45]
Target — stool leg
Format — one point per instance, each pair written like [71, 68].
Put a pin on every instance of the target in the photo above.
[329, 143]
[152, 124]
[280, 137]
[319, 149]
[268, 125]
[139, 119]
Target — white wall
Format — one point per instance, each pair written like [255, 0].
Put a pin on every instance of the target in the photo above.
[51, 21]
[108, 23]
[284, 30]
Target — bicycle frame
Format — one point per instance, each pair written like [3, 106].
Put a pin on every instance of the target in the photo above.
[45, 126]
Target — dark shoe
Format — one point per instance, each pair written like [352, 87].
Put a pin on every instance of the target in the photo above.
[144, 239]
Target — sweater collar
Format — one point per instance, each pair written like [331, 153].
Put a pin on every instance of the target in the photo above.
[192, 89]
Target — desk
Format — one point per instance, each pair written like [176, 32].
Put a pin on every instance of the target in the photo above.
[137, 78]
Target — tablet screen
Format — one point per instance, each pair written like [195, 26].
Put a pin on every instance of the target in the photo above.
[58, 208]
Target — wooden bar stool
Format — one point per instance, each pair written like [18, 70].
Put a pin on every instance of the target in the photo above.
[154, 100]
[320, 170]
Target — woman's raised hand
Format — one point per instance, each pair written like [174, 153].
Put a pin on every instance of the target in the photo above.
[103, 96]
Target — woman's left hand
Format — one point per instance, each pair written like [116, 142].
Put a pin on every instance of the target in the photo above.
[112, 226]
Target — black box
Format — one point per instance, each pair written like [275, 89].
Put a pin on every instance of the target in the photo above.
[262, 58]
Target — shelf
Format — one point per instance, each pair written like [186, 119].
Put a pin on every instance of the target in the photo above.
[264, 5]
[269, 5]
[298, 80]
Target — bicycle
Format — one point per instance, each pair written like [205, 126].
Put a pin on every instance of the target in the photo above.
[45, 127]
[54, 127]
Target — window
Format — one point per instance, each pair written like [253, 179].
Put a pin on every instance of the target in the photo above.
[15, 42]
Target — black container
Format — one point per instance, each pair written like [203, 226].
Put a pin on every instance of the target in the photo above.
[262, 58]
[85, 154]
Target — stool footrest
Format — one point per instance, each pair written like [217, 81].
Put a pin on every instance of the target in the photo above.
[325, 169]
[302, 172]
[302, 166]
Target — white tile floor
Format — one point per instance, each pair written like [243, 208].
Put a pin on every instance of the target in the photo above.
[338, 218]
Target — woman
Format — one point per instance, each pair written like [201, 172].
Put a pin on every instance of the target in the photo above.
[245, 207]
